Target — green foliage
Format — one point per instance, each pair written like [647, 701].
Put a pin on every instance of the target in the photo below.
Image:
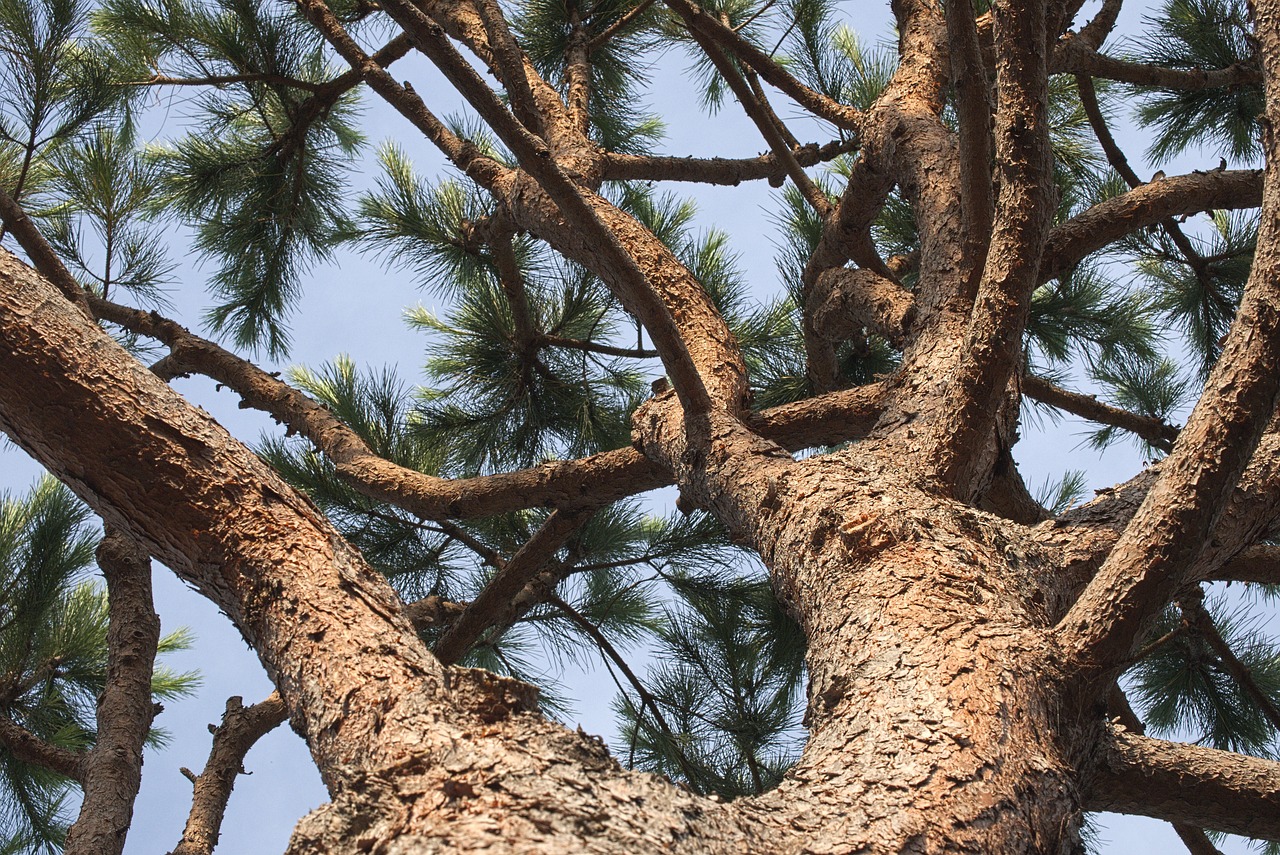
[54, 83]
[53, 654]
[1184, 687]
[1068, 491]
[552, 30]
[727, 678]
[1083, 315]
[1155, 389]
[1201, 35]
[1200, 293]
[261, 179]
[106, 187]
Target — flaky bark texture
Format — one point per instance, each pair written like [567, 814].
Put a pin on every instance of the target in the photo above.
[961, 644]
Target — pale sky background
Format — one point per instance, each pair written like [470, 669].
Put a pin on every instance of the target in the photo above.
[355, 307]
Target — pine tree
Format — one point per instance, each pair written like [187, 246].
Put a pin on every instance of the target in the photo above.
[863, 631]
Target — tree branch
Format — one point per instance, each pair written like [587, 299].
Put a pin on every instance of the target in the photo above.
[1255, 564]
[1147, 205]
[993, 341]
[241, 728]
[1202, 622]
[113, 767]
[1075, 56]
[717, 170]
[702, 23]
[1187, 784]
[29, 748]
[604, 477]
[1154, 431]
[510, 579]
[1159, 548]
[1196, 841]
[40, 252]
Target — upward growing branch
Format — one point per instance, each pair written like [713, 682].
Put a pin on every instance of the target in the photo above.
[1161, 543]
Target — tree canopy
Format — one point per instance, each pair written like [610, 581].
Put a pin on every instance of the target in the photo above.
[859, 629]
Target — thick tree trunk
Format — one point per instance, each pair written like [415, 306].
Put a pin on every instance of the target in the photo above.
[956, 750]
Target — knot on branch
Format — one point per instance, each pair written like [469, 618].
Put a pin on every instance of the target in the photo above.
[844, 300]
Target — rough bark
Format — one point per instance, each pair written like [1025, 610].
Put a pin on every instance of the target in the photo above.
[113, 767]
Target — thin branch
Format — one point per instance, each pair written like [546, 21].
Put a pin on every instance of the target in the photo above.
[771, 129]
[618, 26]
[596, 347]
[1155, 431]
[1073, 56]
[705, 24]
[463, 154]
[241, 728]
[508, 582]
[604, 477]
[1118, 161]
[1187, 784]
[611, 652]
[227, 79]
[718, 170]
[113, 767]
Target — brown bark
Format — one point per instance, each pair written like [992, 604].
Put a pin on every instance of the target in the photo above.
[1187, 783]
[241, 728]
[1156, 554]
[113, 767]
[951, 706]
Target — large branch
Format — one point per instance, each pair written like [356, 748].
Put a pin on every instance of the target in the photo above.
[1024, 210]
[381, 717]
[113, 767]
[1158, 550]
[1187, 784]
[1255, 564]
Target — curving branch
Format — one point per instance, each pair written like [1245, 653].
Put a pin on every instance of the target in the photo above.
[843, 300]
[241, 728]
[1147, 205]
[603, 477]
[1187, 784]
